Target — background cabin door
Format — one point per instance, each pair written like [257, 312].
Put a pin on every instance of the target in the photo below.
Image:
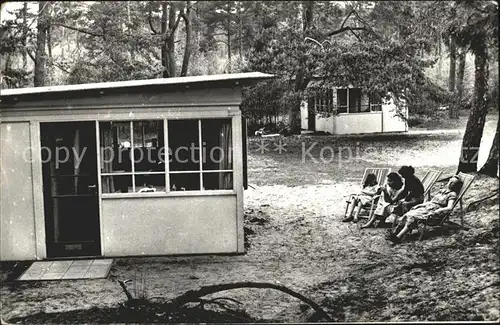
[69, 160]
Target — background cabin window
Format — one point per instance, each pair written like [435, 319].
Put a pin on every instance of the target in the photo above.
[342, 100]
[190, 168]
[375, 103]
[323, 100]
[352, 100]
[132, 156]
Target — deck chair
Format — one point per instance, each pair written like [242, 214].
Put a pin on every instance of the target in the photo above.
[467, 181]
[430, 178]
[381, 174]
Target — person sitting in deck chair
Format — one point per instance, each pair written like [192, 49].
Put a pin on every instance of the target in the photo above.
[370, 189]
[385, 204]
[440, 203]
[411, 195]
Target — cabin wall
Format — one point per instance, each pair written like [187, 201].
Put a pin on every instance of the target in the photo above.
[304, 116]
[17, 220]
[325, 123]
[169, 225]
[391, 121]
[173, 223]
[370, 122]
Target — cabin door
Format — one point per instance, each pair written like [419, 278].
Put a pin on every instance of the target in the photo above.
[69, 160]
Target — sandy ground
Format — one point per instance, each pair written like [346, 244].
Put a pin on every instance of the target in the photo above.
[296, 239]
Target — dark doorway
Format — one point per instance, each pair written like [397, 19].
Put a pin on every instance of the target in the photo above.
[311, 114]
[69, 160]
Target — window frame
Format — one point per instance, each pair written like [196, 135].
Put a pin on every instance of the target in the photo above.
[167, 172]
[370, 104]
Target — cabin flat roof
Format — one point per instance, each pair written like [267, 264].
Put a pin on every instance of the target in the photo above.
[243, 77]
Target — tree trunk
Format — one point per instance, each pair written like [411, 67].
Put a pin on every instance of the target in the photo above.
[129, 27]
[453, 63]
[25, 34]
[228, 37]
[41, 39]
[240, 35]
[440, 59]
[301, 79]
[477, 117]
[171, 42]
[49, 68]
[491, 166]
[459, 83]
[187, 48]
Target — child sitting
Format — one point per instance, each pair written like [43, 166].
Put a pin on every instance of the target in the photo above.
[370, 189]
[386, 203]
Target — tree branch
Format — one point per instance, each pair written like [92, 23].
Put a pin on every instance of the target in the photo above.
[30, 55]
[150, 21]
[344, 29]
[347, 17]
[172, 31]
[356, 35]
[81, 30]
[193, 295]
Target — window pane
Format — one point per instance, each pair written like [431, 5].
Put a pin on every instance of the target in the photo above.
[183, 142]
[217, 144]
[354, 100]
[218, 181]
[342, 100]
[117, 184]
[185, 182]
[150, 183]
[115, 147]
[148, 146]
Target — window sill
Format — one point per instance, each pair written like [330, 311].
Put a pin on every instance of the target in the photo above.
[375, 112]
[167, 194]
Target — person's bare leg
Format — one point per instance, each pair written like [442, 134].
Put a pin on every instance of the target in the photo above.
[403, 231]
[350, 208]
[356, 215]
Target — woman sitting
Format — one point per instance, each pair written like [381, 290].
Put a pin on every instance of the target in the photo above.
[385, 204]
[370, 189]
[411, 195]
[440, 203]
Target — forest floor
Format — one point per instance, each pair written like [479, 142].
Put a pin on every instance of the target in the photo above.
[295, 238]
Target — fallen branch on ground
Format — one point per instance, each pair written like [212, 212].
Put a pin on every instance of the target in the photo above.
[472, 204]
[195, 295]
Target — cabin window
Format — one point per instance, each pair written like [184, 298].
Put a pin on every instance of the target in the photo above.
[323, 100]
[190, 168]
[135, 158]
[353, 100]
[132, 156]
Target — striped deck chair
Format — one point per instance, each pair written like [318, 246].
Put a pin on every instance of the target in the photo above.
[428, 182]
[381, 174]
[430, 178]
[422, 226]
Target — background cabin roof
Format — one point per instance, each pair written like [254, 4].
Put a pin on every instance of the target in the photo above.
[238, 78]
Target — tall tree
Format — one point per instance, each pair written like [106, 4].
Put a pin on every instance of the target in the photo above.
[491, 166]
[476, 28]
[41, 41]
[187, 16]
[459, 84]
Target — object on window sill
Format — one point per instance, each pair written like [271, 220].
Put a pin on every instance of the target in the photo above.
[147, 190]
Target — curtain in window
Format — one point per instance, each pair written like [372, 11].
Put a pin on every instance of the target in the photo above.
[76, 171]
[225, 162]
[107, 154]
